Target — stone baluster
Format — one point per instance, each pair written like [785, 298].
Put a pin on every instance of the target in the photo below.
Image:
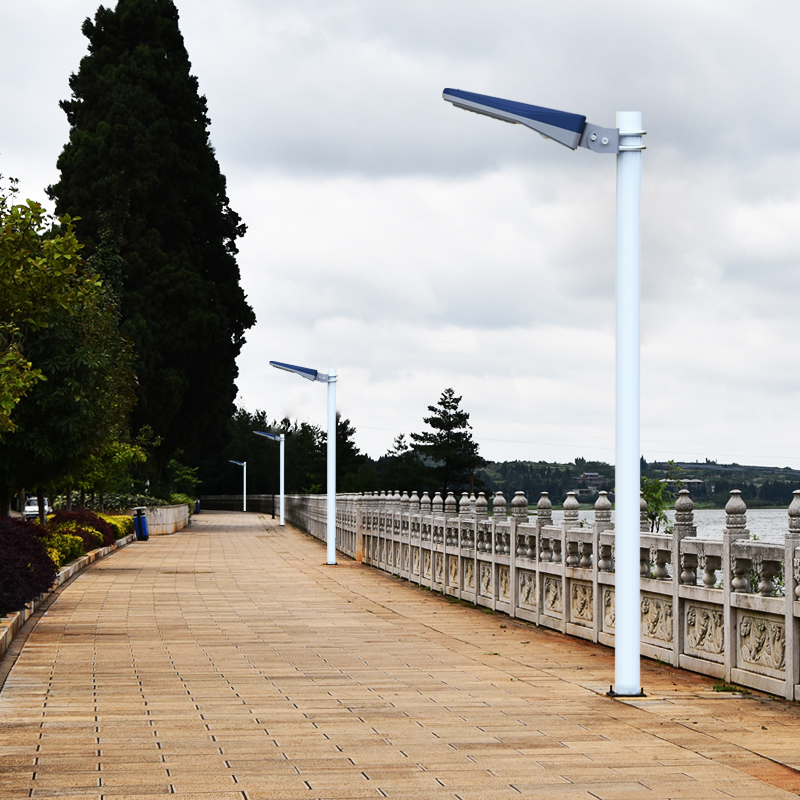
[414, 503]
[710, 565]
[437, 505]
[644, 562]
[464, 506]
[586, 555]
[689, 569]
[450, 505]
[573, 559]
[602, 512]
[605, 562]
[768, 571]
[663, 558]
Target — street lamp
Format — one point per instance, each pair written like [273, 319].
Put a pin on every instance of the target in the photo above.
[330, 379]
[624, 141]
[277, 437]
[242, 464]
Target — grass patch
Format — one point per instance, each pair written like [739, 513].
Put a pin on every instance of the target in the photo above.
[722, 686]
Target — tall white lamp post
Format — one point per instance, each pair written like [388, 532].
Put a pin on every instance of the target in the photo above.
[330, 379]
[243, 465]
[624, 141]
[277, 437]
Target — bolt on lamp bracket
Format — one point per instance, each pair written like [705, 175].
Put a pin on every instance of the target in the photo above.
[606, 140]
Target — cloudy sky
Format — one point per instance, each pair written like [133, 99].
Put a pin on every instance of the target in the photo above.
[417, 247]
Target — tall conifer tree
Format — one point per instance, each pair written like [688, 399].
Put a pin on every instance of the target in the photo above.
[140, 171]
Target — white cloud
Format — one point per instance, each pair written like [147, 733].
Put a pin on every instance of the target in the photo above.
[417, 247]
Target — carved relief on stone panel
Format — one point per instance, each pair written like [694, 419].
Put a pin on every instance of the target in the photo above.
[452, 563]
[504, 583]
[552, 595]
[527, 588]
[762, 642]
[439, 568]
[486, 579]
[415, 560]
[609, 609]
[581, 598]
[657, 618]
[396, 562]
[705, 630]
[469, 574]
[427, 564]
[405, 556]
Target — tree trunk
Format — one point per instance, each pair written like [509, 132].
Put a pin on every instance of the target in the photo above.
[42, 511]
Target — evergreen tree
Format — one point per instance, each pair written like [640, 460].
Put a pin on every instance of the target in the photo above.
[140, 172]
[449, 448]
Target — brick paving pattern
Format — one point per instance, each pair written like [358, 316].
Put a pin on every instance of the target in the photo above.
[228, 662]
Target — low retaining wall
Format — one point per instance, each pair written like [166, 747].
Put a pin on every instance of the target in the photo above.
[261, 503]
[167, 519]
[729, 609]
[11, 625]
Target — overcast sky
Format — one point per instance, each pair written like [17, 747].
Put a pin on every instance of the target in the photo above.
[417, 247]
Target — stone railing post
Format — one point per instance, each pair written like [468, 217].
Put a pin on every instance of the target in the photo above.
[358, 503]
[684, 566]
[437, 505]
[600, 559]
[791, 574]
[425, 504]
[519, 516]
[644, 523]
[735, 572]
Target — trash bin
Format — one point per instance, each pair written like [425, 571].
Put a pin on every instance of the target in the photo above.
[196, 506]
[140, 524]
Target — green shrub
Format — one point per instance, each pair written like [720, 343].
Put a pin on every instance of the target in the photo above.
[122, 525]
[181, 499]
[63, 547]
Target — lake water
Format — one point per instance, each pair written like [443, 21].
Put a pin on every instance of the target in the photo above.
[768, 524]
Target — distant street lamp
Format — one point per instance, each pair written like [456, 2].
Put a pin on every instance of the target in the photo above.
[330, 379]
[242, 464]
[625, 141]
[277, 437]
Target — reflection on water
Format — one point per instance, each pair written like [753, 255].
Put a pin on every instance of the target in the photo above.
[765, 524]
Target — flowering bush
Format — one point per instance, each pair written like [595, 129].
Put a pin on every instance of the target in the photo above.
[94, 530]
[63, 547]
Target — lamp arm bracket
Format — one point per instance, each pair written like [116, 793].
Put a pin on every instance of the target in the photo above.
[600, 140]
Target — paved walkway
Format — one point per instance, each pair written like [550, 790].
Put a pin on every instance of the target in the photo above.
[227, 662]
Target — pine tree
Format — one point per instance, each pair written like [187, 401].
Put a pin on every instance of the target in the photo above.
[449, 447]
[140, 172]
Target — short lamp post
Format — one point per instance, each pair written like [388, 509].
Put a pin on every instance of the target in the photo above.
[624, 141]
[243, 465]
[330, 379]
[277, 437]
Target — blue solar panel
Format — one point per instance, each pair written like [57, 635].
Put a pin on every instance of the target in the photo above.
[303, 372]
[549, 116]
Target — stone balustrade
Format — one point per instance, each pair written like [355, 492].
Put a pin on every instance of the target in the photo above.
[729, 608]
